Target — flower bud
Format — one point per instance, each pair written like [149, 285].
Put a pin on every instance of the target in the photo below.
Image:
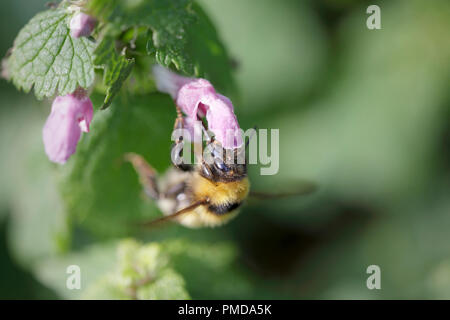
[71, 114]
[81, 25]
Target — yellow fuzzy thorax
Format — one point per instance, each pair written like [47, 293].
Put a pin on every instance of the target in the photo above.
[219, 192]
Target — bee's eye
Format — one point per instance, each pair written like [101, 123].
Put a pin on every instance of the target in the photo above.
[220, 165]
[206, 171]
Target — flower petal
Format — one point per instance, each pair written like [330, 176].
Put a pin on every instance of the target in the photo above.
[223, 123]
[70, 115]
[194, 97]
[61, 134]
[198, 98]
[86, 113]
[168, 81]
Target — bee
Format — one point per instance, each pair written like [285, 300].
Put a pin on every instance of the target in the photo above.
[207, 194]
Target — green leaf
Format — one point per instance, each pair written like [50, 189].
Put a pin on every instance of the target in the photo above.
[117, 68]
[45, 56]
[101, 192]
[142, 272]
[167, 21]
[174, 32]
[137, 262]
[168, 286]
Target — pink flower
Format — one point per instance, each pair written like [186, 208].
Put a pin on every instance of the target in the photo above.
[81, 25]
[70, 115]
[198, 98]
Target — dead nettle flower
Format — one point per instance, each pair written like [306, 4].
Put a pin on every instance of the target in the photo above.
[81, 25]
[197, 98]
[71, 114]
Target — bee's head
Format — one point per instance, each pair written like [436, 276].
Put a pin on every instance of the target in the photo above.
[224, 165]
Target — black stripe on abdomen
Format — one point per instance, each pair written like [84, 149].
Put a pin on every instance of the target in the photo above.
[223, 208]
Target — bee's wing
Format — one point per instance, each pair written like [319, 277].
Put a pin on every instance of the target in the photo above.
[186, 210]
[300, 190]
[147, 175]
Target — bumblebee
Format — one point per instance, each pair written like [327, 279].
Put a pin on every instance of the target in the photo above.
[207, 194]
[200, 196]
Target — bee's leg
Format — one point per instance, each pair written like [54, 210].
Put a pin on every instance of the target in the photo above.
[146, 173]
[179, 121]
[177, 148]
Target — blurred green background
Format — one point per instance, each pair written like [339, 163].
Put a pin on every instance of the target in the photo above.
[363, 113]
